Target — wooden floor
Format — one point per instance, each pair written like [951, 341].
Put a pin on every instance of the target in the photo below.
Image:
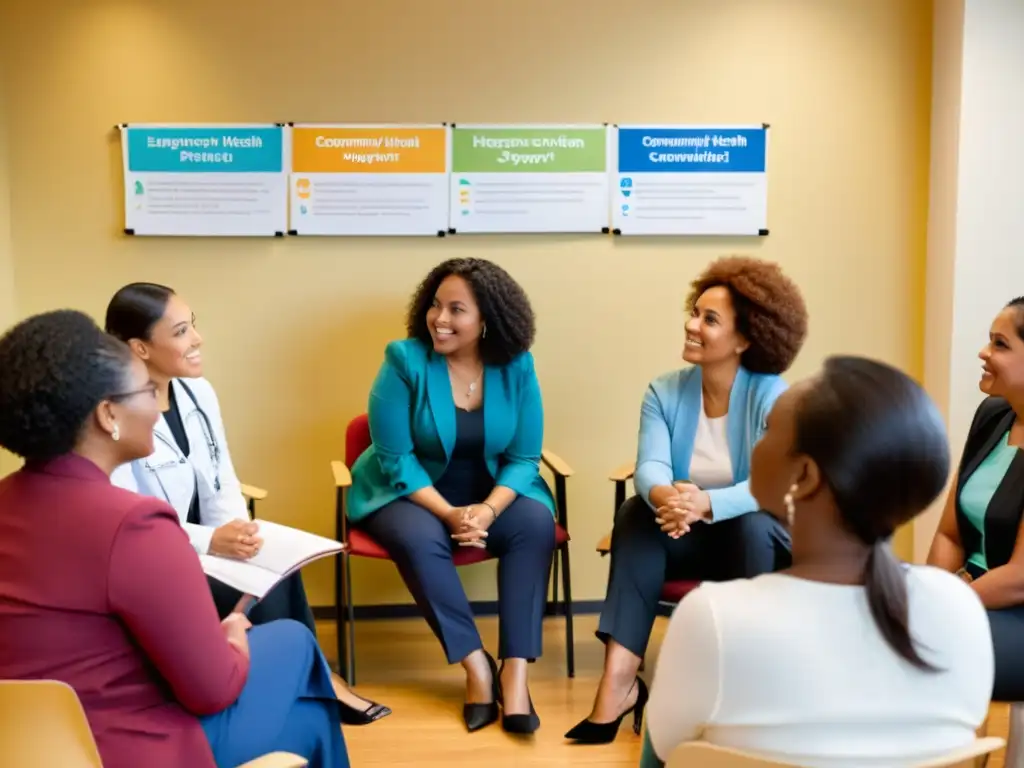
[401, 665]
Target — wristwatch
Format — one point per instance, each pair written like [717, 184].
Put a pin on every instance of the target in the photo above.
[963, 574]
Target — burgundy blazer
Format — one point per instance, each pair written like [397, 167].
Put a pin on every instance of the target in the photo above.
[100, 588]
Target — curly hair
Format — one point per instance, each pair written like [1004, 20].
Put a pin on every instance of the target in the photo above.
[503, 303]
[770, 310]
[55, 368]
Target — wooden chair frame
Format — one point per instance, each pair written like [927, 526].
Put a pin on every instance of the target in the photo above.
[43, 724]
[252, 494]
[698, 754]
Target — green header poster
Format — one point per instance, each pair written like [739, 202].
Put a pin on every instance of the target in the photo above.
[531, 150]
[529, 178]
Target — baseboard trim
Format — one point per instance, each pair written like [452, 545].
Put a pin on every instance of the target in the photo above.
[409, 610]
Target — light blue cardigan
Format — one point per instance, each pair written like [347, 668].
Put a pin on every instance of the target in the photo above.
[668, 426]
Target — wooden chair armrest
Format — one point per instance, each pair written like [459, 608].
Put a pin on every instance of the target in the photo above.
[623, 473]
[342, 477]
[604, 546]
[555, 463]
[254, 493]
[277, 760]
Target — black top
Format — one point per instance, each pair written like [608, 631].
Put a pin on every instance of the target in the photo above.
[1002, 518]
[173, 416]
[177, 427]
[467, 480]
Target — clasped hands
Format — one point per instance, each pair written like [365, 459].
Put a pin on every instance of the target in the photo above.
[681, 505]
[469, 524]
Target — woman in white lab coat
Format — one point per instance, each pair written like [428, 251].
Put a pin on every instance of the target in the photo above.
[191, 466]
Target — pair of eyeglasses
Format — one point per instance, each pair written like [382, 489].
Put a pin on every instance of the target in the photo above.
[149, 389]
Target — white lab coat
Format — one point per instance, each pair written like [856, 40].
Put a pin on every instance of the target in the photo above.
[171, 476]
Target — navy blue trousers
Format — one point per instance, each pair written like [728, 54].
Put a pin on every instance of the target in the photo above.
[522, 538]
[288, 703]
[644, 558]
[1007, 627]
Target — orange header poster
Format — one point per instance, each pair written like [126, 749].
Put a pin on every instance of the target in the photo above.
[369, 149]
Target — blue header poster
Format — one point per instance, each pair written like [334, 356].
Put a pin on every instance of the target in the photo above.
[205, 180]
[691, 180]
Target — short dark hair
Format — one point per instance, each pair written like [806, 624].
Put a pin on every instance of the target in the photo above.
[880, 444]
[55, 368]
[770, 310]
[504, 308]
[1018, 304]
[135, 309]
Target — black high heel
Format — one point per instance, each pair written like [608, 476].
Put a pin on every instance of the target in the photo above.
[588, 732]
[352, 716]
[478, 716]
[520, 724]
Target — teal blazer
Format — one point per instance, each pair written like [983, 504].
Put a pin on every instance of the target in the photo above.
[412, 425]
[668, 426]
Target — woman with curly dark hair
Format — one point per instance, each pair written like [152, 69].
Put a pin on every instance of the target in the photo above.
[457, 426]
[693, 516]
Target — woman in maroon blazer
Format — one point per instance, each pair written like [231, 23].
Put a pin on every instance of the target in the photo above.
[100, 588]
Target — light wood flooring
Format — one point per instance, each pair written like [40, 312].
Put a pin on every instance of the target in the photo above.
[401, 665]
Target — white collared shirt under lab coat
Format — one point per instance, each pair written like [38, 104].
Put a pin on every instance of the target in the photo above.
[169, 475]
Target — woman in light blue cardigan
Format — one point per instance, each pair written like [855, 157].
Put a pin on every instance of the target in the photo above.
[693, 516]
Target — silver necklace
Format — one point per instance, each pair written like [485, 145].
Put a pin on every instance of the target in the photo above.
[472, 385]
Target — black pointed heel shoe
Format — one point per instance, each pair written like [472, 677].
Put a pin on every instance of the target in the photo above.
[479, 716]
[518, 724]
[352, 716]
[588, 732]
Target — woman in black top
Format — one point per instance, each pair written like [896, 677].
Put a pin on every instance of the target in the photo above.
[980, 535]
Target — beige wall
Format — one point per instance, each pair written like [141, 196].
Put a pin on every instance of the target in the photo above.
[8, 311]
[947, 56]
[295, 328]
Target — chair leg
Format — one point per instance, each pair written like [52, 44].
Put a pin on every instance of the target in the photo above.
[339, 612]
[570, 646]
[351, 661]
[554, 584]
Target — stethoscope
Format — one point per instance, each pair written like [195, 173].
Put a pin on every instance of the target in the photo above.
[212, 445]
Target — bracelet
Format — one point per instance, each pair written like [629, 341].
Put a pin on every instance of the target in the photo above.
[493, 510]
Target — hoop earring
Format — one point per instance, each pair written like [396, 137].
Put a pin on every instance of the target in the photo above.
[116, 434]
[483, 334]
[790, 505]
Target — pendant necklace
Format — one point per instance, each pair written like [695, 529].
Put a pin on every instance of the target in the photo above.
[472, 385]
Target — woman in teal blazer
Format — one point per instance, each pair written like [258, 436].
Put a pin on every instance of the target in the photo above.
[693, 516]
[457, 426]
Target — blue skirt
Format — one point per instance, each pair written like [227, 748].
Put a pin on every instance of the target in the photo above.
[287, 705]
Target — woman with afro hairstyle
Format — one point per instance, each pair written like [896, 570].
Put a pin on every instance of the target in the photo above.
[101, 590]
[457, 426]
[693, 516]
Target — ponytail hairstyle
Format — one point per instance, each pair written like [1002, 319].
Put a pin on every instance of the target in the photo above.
[135, 309]
[880, 445]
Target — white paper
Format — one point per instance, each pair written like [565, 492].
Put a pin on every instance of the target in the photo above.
[284, 549]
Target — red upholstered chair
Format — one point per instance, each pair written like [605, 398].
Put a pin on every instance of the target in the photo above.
[672, 591]
[360, 544]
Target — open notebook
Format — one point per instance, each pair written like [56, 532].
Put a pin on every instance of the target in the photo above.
[285, 550]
